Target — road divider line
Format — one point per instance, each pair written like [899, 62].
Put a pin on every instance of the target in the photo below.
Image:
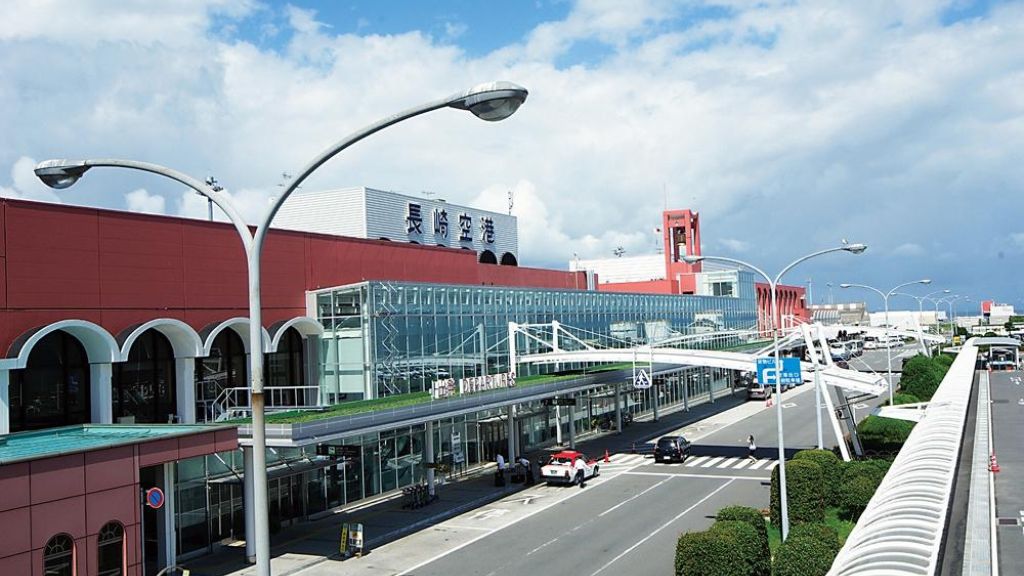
[662, 527]
[634, 497]
[712, 476]
[711, 462]
[743, 464]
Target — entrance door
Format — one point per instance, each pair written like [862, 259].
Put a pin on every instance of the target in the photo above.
[494, 439]
[149, 477]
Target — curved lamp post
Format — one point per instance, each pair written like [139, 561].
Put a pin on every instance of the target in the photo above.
[885, 299]
[920, 309]
[773, 284]
[492, 101]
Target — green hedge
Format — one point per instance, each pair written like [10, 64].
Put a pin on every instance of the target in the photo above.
[831, 471]
[922, 375]
[903, 398]
[803, 556]
[748, 550]
[860, 480]
[821, 532]
[885, 435]
[806, 492]
[753, 517]
[707, 554]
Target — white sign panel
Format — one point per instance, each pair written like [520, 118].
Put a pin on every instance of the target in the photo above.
[448, 387]
[641, 381]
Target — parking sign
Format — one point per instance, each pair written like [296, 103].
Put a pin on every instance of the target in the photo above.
[790, 371]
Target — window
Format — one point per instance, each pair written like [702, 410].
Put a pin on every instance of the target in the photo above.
[53, 389]
[144, 385]
[59, 556]
[110, 550]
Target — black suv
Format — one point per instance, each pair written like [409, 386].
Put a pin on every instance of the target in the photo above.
[671, 449]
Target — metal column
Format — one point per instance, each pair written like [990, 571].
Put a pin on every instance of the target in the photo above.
[618, 408]
[572, 427]
[428, 455]
[248, 504]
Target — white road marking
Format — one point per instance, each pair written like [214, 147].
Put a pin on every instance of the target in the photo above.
[662, 527]
[634, 497]
[728, 463]
[743, 464]
[711, 462]
[712, 476]
[696, 461]
[759, 463]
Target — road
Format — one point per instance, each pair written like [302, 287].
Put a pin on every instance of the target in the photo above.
[627, 520]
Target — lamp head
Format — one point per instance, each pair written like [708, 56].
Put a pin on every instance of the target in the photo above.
[692, 258]
[946, 291]
[855, 248]
[491, 101]
[845, 285]
[925, 281]
[60, 174]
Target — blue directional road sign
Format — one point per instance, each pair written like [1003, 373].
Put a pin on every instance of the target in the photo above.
[790, 371]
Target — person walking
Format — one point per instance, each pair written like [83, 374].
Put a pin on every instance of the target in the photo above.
[751, 447]
[499, 473]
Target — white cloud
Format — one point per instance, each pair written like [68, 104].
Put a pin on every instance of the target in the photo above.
[1017, 239]
[788, 125]
[26, 186]
[908, 249]
[142, 201]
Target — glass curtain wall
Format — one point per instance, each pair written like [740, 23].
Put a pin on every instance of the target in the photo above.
[414, 334]
[53, 389]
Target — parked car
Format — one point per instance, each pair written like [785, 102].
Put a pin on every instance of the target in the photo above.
[561, 469]
[838, 351]
[872, 343]
[671, 449]
[758, 392]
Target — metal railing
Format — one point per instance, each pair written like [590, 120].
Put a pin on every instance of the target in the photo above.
[237, 402]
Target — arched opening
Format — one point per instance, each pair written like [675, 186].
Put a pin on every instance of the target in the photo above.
[59, 556]
[53, 388]
[225, 367]
[144, 384]
[285, 368]
[509, 259]
[110, 550]
[488, 257]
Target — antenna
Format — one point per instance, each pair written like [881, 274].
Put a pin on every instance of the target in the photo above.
[511, 202]
[285, 177]
[619, 251]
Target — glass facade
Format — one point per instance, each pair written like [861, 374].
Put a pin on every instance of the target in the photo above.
[407, 335]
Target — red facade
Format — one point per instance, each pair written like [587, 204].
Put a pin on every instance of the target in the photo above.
[77, 493]
[118, 269]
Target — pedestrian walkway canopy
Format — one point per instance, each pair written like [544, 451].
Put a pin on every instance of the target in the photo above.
[901, 530]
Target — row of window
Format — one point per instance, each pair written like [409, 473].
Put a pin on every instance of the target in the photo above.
[59, 553]
[53, 389]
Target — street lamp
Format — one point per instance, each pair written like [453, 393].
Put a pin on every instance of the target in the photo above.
[920, 309]
[492, 101]
[772, 285]
[885, 299]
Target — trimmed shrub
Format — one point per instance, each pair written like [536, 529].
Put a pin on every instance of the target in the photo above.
[746, 546]
[885, 435]
[803, 557]
[944, 359]
[821, 532]
[857, 492]
[874, 469]
[903, 398]
[806, 492]
[831, 471]
[922, 375]
[753, 517]
[706, 554]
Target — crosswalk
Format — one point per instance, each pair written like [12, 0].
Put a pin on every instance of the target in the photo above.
[702, 462]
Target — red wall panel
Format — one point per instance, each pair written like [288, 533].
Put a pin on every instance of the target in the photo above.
[52, 518]
[118, 269]
[57, 478]
[110, 468]
[52, 257]
[14, 486]
[109, 505]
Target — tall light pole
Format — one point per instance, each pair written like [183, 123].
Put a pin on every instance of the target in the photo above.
[920, 310]
[491, 101]
[772, 285]
[885, 298]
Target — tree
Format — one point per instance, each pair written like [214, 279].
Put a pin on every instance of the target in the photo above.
[831, 471]
[706, 554]
[821, 532]
[753, 517]
[884, 435]
[804, 556]
[746, 545]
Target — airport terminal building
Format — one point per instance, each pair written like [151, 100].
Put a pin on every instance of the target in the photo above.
[123, 320]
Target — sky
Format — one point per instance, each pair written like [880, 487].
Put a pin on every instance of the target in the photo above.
[789, 125]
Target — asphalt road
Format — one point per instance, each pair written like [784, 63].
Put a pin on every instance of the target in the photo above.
[625, 521]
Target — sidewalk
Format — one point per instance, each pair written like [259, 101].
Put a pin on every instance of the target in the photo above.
[384, 519]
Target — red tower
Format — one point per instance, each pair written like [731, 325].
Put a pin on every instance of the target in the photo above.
[681, 233]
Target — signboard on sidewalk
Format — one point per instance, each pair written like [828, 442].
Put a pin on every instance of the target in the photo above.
[790, 371]
[457, 456]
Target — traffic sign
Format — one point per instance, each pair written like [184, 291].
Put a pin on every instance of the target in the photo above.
[155, 498]
[338, 450]
[790, 371]
[558, 402]
[641, 381]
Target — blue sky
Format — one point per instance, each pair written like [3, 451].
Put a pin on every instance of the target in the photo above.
[788, 124]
